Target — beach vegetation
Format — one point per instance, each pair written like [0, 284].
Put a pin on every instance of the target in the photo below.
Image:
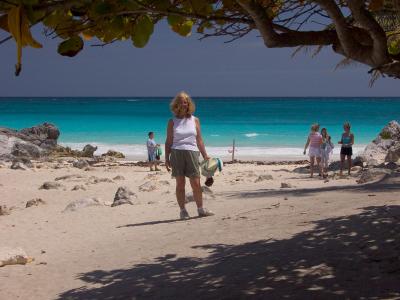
[365, 32]
[385, 135]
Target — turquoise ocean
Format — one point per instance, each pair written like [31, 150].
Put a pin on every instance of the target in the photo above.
[262, 127]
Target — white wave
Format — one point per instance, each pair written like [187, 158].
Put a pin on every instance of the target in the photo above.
[252, 134]
[214, 135]
[139, 152]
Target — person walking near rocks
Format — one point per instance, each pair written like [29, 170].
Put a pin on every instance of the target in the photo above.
[347, 142]
[182, 146]
[314, 140]
[151, 152]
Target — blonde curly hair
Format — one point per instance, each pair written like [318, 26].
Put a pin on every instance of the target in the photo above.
[177, 108]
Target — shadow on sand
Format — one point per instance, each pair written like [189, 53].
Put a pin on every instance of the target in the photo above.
[351, 257]
[389, 183]
[157, 222]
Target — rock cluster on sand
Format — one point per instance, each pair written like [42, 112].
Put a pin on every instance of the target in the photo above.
[33, 142]
[373, 174]
[113, 153]
[385, 147]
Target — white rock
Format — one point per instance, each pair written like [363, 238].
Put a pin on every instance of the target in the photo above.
[147, 187]
[82, 203]
[13, 256]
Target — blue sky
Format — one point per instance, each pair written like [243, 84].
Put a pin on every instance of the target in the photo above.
[170, 63]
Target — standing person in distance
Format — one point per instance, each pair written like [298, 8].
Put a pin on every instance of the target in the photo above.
[151, 151]
[182, 146]
[326, 151]
[347, 142]
[314, 140]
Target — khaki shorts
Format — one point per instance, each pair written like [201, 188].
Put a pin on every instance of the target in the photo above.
[185, 163]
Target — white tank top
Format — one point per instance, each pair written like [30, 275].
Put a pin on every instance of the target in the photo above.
[185, 134]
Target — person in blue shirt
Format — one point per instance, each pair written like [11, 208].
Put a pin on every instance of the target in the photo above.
[347, 142]
[152, 152]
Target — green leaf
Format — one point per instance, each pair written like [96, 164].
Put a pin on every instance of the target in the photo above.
[394, 47]
[70, 47]
[175, 20]
[184, 29]
[142, 31]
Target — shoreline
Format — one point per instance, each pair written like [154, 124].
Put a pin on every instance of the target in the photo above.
[257, 153]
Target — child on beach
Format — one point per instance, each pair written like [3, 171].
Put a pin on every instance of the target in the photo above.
[151, 152]
[314, 140]
[347, 142]
[326, 151]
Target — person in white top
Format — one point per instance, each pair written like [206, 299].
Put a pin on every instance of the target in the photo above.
[182, 146]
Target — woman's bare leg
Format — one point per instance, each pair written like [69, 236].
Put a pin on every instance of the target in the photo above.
[197, 192]
[349, 162]
[312, 158]
[319, 166]
[180, 191]
[342, 158]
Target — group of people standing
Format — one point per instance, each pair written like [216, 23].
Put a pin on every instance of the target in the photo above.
[321, 148]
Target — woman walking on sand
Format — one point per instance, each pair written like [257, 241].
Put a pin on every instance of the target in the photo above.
[326, 151]
[347, 142]
[182, 146]
[314, 140]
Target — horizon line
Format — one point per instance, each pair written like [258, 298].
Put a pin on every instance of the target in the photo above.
[277, 97]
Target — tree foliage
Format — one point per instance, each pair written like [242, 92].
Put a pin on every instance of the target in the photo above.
[367, 32]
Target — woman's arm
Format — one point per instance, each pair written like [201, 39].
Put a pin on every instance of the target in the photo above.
[330, 142]
[199, 140]
[352, 139]
[168, 142]
[306, 146]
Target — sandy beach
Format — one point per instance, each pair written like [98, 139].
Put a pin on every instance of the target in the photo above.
[317, 239]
